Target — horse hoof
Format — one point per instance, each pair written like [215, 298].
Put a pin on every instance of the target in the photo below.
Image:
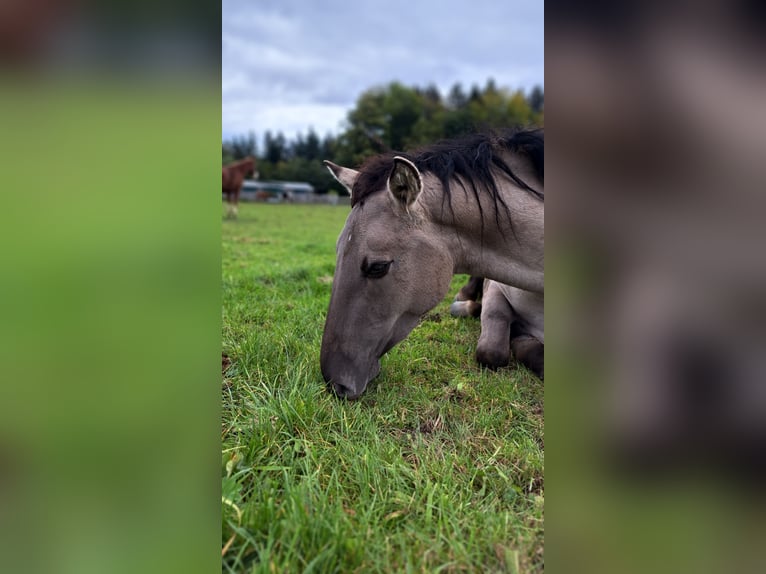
[465, 309]
[492, 359]
[531, 353]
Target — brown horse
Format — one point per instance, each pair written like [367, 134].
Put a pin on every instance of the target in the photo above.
[233, 176]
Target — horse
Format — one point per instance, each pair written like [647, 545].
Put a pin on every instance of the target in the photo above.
[472, 205]
[234, 175]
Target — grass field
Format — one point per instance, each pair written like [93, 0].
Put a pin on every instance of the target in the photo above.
[438, 468]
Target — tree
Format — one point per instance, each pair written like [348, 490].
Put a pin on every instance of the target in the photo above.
[313, 146]
[536, 99]
[457, 99]
[275, 147]
[239, 147]
[298, 147]
[432, 95]
[228, 154]
[490, 89]
[519, 112]
[327, 147]
[246, 146]
[385, 118]
[403, 107]
[366, 124]
[475, 94]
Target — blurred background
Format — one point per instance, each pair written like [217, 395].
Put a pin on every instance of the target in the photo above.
[655, 397]
[109, 297]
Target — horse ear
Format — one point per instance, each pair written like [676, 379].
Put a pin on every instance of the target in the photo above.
[405, 182]
[345, 176]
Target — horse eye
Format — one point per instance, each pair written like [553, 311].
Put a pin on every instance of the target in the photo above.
[376, 269]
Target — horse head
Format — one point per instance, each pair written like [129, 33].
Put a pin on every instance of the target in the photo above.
[250, 164]
[391, 269]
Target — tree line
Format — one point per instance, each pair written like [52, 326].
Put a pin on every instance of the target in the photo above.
[392, 117]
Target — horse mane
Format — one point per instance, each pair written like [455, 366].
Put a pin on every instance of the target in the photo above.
[240, 162]
[470, 161]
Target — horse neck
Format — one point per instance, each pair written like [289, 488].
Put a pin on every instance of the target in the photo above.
[484, 245]
[245, 165]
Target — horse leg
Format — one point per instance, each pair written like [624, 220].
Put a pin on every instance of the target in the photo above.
[493, 350]
[466, 302]
[500, 322]
[527, 350]
[527, 328]
[472, 290]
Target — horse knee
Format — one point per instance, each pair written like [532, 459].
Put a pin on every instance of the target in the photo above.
[529, 352]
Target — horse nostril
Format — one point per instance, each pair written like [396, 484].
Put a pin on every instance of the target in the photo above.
[343, 392]
[338, 389]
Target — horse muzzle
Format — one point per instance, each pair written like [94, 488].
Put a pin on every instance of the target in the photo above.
[346, 380]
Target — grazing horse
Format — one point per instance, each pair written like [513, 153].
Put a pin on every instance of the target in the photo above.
[234, 175]
[473, 205]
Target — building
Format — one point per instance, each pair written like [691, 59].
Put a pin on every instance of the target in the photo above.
[257, 190]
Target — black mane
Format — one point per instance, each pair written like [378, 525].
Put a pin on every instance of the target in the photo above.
[471, 158]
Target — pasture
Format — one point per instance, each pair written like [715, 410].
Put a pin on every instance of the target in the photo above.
[437, 468]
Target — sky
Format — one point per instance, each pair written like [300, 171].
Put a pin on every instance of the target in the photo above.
[291, 65]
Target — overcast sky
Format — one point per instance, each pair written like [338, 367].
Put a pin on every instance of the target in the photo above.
[293, 64]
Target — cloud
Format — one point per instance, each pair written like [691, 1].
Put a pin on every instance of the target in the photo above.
[290, 64]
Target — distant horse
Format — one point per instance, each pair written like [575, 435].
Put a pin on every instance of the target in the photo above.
[234, 175]
[473, 205]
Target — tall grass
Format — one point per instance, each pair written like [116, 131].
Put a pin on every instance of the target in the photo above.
[438, 468]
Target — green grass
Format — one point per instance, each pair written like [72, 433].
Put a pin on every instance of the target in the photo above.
[438, 468]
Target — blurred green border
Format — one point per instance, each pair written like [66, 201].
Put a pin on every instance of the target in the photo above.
[110, 298]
